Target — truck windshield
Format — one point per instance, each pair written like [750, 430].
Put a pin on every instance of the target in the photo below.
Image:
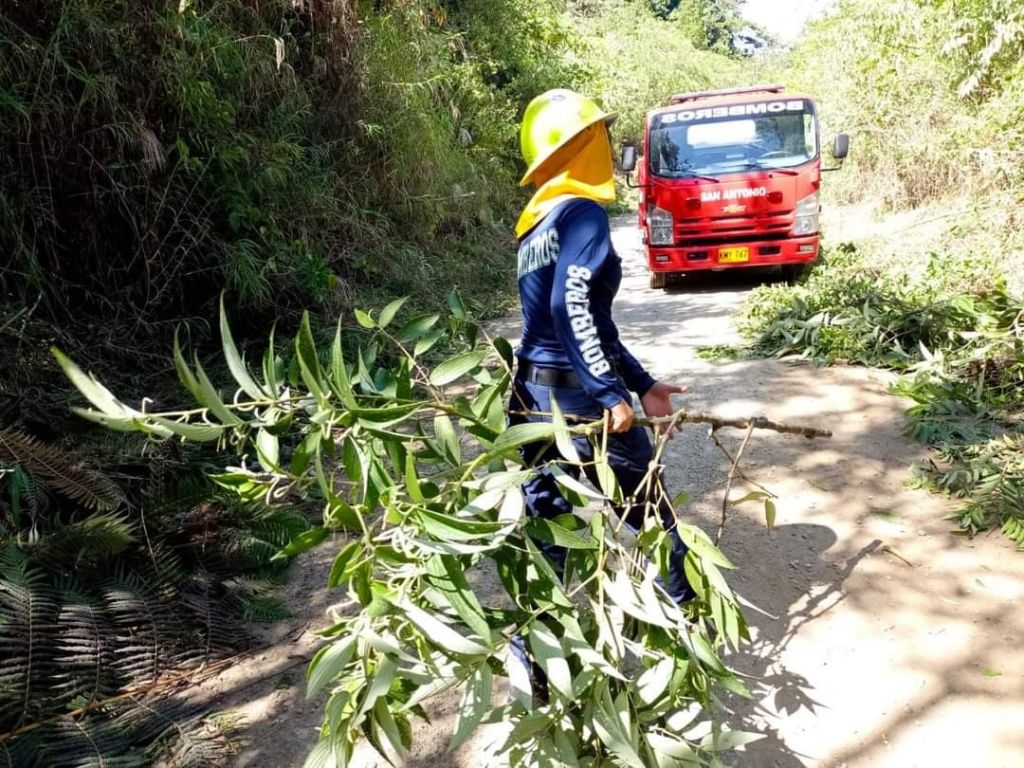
[713, 142]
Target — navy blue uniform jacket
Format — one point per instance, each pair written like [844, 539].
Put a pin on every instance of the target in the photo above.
[568, 277]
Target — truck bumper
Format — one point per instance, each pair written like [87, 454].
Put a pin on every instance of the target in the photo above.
[767, 253]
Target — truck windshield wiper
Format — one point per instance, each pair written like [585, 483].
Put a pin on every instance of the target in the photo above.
[692, 175]
[785, 171]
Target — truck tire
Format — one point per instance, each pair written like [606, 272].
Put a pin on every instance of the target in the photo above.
[658, 280]
[792, 273]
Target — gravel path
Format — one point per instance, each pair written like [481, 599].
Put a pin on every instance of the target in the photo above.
[886, 642]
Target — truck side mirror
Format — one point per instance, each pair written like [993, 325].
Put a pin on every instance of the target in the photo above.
[841, 146]
[628, 162]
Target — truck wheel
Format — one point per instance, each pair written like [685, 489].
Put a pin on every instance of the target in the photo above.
[792, 273]
[658, 280]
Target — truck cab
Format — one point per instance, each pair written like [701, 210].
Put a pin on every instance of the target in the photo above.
[730, 179]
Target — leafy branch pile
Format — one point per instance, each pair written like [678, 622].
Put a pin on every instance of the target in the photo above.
[419, 480]
[958, 336]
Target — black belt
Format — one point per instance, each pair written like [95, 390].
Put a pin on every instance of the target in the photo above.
[547, 377]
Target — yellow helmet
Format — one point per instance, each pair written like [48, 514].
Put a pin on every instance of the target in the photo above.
[551, 120]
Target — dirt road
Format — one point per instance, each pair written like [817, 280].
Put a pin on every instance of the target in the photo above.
[886, 642]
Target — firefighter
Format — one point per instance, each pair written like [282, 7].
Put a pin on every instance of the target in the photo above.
[570, 351]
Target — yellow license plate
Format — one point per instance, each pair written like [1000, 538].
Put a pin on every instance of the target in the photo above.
[733, 255]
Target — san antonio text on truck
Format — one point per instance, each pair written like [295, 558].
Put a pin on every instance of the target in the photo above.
[730, 179]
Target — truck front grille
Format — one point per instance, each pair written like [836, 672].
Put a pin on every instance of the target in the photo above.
[727, 229]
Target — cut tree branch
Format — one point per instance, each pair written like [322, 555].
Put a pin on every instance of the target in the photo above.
[715, 422]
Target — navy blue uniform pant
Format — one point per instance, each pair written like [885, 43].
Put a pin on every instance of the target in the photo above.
[629, 455]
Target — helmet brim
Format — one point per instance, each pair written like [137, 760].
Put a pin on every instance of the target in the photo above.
[609, 119]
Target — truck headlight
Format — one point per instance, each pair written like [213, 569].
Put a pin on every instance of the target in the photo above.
[659, 221]
[808, 213]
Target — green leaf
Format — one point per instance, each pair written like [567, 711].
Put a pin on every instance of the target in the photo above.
[309, 363]
[267, 450]
[304, 542]
[364, 319]
[455, 367]
[339, 372]
[328, 663]
[623, 592]
[94, 392]
[448, 578]
[339, 514]
[769, 514]
[566, 480]
[706, 654]
[394, 747]
[727, 740]
[198, 433]
[210, 398]
[427, 343]
[678, 752]
[412, 481]
[553, 533]
[185, 375]
[388, 415]
[523, 434]
[331, 752]
[475, 701]
[439, 634]
[607, 481]
[122, 423]
[752, 496]
[447, 440]
[608, 725]
[339, 568]
[563, 438]
[417, 327]
[234, 360]
[455, 304]
[383, 676]
[701, 545]
[505, 350]
[547, 650]
[270, 365]
[653, 683]
[446, 527]
[388, 313]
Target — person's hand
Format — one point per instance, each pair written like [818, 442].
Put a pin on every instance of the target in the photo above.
[657, 402]
[619, 418]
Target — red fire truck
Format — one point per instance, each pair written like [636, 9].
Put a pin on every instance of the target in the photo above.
[730, 179]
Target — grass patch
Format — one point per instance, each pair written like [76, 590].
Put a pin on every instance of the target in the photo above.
[721, 353]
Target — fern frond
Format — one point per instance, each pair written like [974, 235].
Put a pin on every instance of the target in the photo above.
[28, 609]
[206, 600]
[59, 470]
[93, 539]
[201, 743]
[146, 627]
[83, 669]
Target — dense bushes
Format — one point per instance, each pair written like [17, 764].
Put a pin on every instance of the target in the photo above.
[931, 93]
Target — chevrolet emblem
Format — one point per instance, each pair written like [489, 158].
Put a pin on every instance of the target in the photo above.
[734, 208]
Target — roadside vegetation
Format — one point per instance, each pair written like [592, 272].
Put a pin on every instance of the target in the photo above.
[287, 156]
[934, 98]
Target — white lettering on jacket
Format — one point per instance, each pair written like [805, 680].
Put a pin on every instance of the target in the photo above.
[577, 306]
[537, 252]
